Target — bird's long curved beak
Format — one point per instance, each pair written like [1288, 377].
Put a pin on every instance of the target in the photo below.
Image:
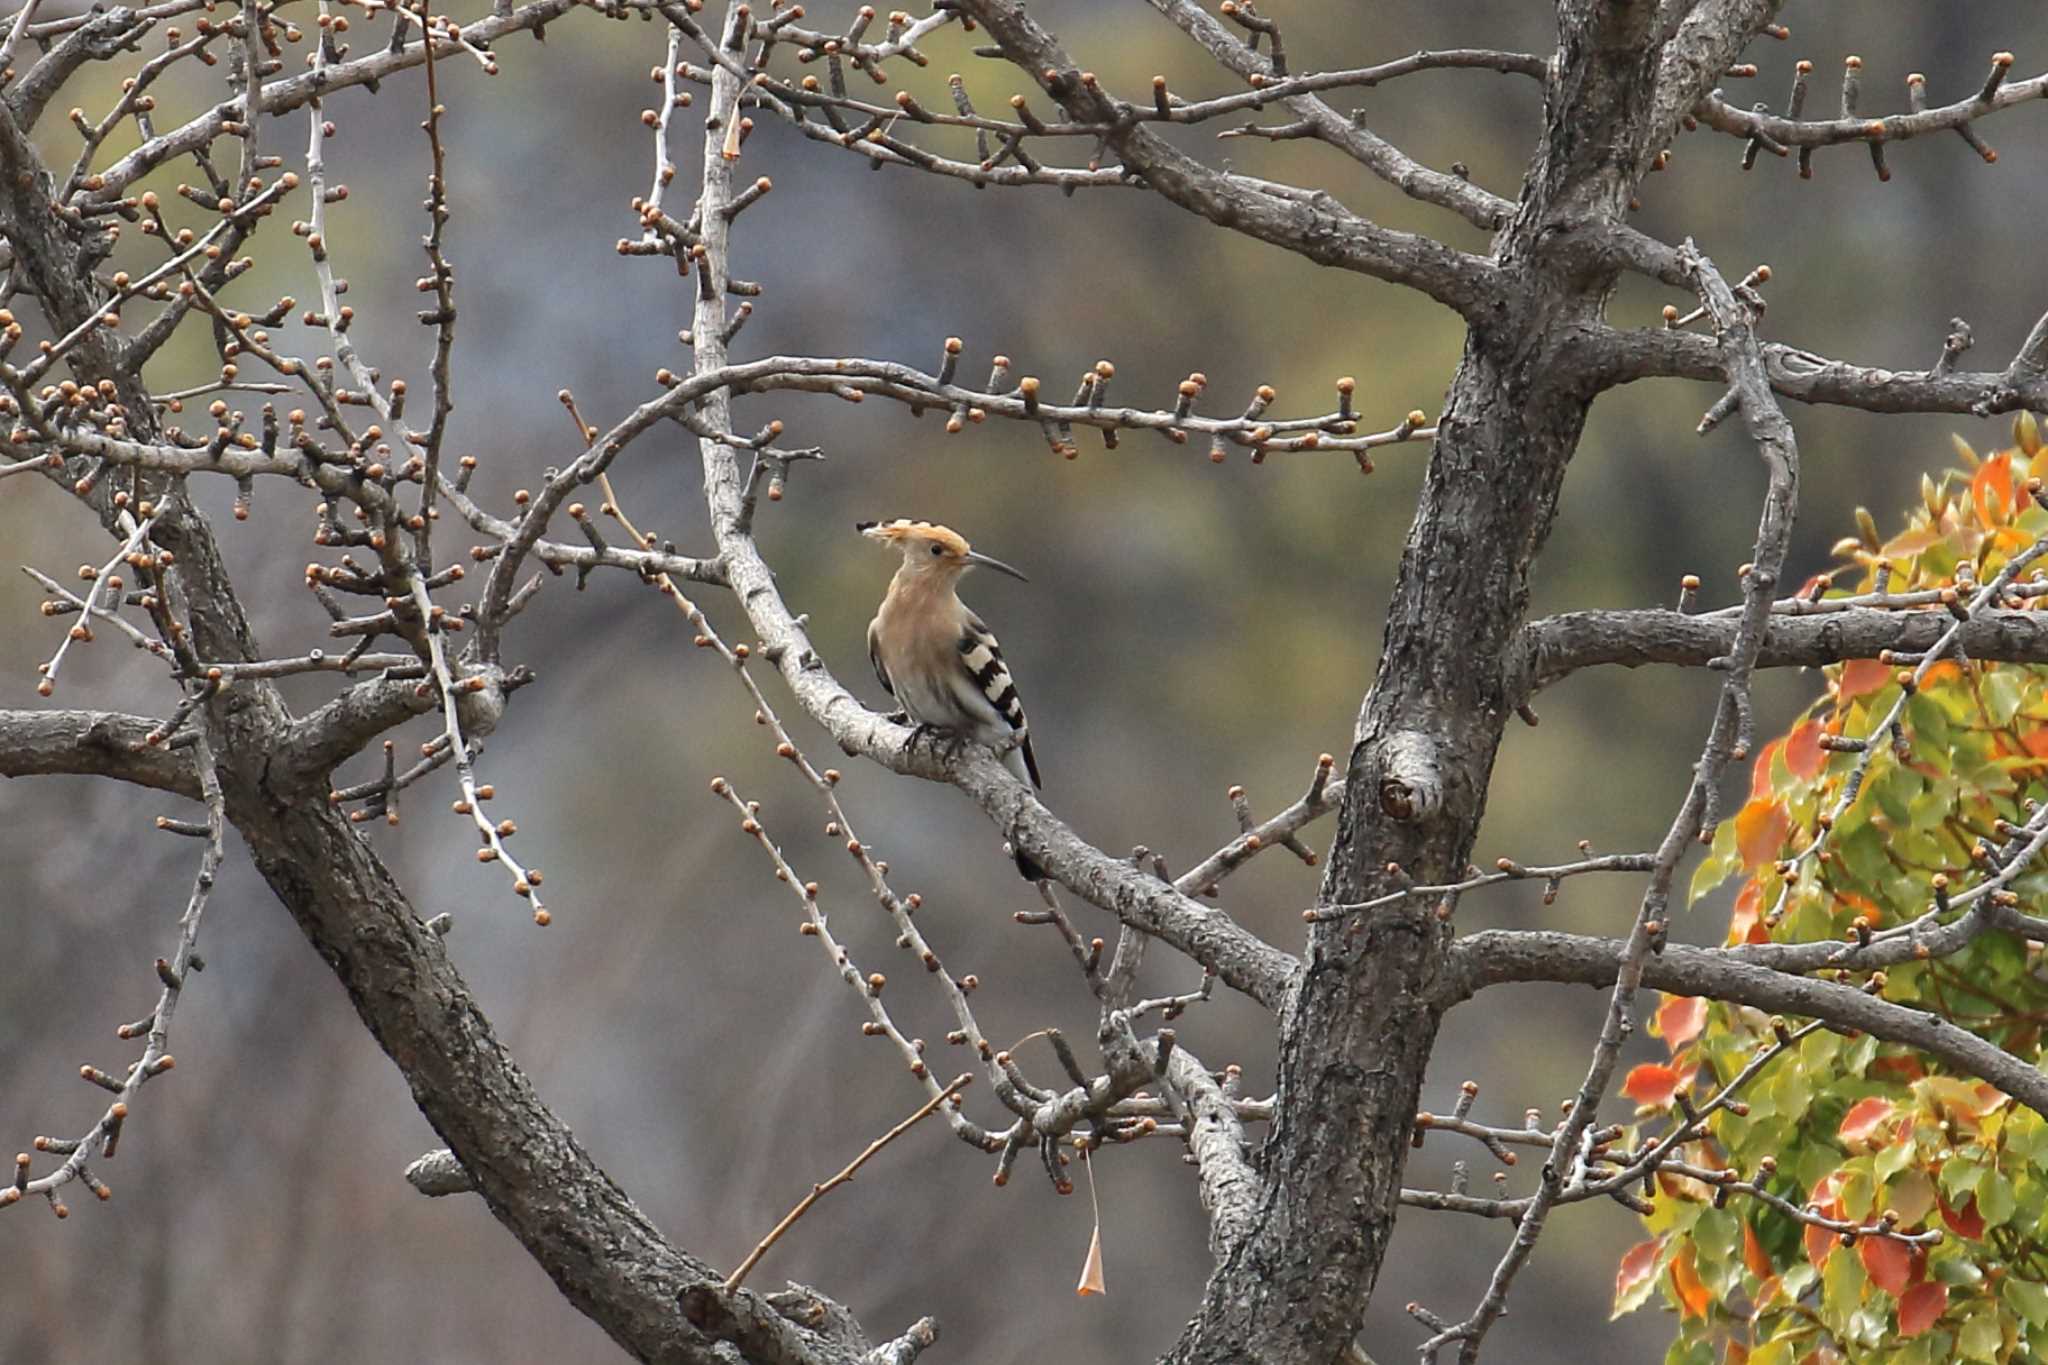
[989, 561]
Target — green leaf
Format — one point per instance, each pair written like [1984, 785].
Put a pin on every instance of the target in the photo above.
[1928, 722]
[1863, 853]
[1921, 1350]
[1895, 1157]
[1858, 1189]
[1711, 872]
[2026, 1136]
[1717, 1237]
[1980, 1338]
[1685, 1352]
[1842, 1286]
[1896, 790]
[1791, 1092]
[1818, 1049]
[2028, 1298]
[1996, 1200]
[1961, 1176]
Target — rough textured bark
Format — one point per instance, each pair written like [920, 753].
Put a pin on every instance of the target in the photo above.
[1558, 646]
[1356, 1037]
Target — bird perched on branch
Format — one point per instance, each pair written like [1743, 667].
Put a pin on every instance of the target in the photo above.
[937, 658]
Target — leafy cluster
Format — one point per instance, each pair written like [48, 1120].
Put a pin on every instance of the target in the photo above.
[1860, 1131]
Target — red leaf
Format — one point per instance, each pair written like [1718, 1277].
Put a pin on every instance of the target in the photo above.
[1888, 1262]
[1760, 830]
[1652, 1083]
[1693, 1297]
[1861, 677]
[1638, 1263]
[1753, 1254]
[1964, 1221]
[1803, 755]
[1680, 1019]
[1865, 1117]
[1920, 1306]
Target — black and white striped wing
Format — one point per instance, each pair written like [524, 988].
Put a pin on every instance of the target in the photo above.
[983, 659]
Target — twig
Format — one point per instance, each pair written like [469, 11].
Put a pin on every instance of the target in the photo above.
[960, 1082]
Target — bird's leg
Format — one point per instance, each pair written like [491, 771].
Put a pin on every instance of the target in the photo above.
[922, 730]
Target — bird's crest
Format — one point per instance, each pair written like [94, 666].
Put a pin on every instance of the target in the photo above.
[903, 530]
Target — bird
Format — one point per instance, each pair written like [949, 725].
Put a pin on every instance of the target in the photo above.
[937, 658]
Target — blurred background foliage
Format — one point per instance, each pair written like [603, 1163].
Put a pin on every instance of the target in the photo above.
[1187, 627]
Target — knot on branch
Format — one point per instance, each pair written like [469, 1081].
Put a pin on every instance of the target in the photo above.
[439, 1173]
[1411, 780]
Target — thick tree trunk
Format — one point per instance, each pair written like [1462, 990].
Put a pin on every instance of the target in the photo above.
[1357, 1035]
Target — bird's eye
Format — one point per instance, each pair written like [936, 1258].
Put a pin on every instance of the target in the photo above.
[938, 549]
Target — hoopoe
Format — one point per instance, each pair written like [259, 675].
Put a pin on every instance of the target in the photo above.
[937, 658]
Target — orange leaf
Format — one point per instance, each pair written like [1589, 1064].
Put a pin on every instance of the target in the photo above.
[1746, 923]
[1652, 1083]
[1820, 1244]
[1735, 1353]
[1920, 1306]
[1753, 1254]
[1091, 1269]
[1991, 490]
[1760, 830]
[1685, 1279]
[1888, 1262]
[1638, 1263]
[1760, 775]
[1964, 1220]
[1864, 906]
[2036, 741]
[1861, 677]
[1865, 1117]
[1945, 671]
[1680, 1019]
[1803, 754]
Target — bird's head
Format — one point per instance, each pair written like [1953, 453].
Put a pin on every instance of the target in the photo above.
[929, 548]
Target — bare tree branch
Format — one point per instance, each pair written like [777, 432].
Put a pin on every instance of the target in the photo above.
[92, 744]
[1496, 956]
[1469, 201]
[1620, 357]
[1324, 231]
[1558, 646]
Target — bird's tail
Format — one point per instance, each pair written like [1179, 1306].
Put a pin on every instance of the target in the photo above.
[1014, 761]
